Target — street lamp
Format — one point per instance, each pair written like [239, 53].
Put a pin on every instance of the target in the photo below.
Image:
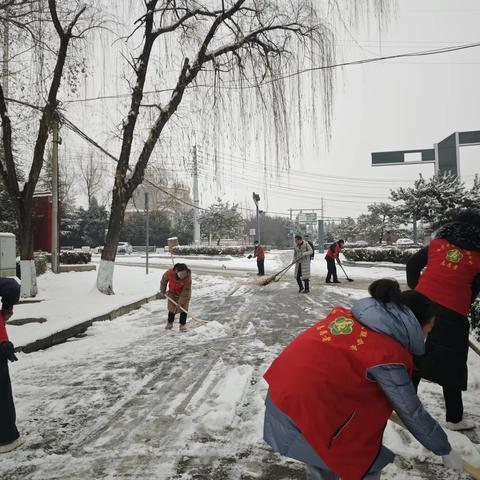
[256, 199]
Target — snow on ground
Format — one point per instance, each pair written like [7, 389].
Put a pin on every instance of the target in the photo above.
[68, 299]
[273, 260]
[130, 400]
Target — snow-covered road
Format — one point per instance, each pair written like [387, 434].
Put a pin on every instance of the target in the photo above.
[132, 401]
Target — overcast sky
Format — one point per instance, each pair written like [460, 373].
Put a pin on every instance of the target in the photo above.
[396, 104]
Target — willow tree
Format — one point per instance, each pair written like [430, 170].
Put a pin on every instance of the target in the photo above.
[242, 42]
[29, 17]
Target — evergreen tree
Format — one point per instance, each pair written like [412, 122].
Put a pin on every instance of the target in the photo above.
[93, 224]
[435, 200]
[8, 214]
[221, 221]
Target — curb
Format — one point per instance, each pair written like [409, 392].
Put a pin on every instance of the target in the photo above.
[63, 335]
[393, 266]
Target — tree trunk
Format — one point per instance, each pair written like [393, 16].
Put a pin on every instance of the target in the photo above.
[27, 263]
[107, 263]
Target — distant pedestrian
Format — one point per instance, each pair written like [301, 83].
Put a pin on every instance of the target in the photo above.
[332, 256]
[9, 436]
[302, 252]
[179, 281]
[259, 254]
[308, 239]
[388, 237]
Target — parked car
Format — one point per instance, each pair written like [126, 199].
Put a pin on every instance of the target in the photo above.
[124, 247]
[404, 243]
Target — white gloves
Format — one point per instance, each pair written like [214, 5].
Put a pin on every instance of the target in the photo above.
[454, 461]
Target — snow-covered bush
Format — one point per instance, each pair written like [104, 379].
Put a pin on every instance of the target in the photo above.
[40, 264]
[208, 250]
[75, 258]
[475, 318]
[380, 254]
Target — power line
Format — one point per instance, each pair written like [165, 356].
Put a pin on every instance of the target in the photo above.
[280, 76]
[231, 158]
[83, 135]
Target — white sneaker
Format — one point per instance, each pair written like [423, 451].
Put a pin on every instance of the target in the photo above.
[8, 447]
[461, 426]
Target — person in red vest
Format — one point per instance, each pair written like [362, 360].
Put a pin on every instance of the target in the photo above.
[179, 282]
[259, 254]
[334, 387]
[332, 255]
[9, 436]
[451, 279]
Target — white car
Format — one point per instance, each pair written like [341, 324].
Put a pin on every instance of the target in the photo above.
[404, 242]
[124, 247]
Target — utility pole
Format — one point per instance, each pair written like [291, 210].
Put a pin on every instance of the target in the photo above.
[293, 225]
[196, 199]
[256, 199]
[55, 142]
[147, 229]
[6, 53]
[321, 230]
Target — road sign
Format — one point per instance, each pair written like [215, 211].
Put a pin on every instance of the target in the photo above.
[308, 218]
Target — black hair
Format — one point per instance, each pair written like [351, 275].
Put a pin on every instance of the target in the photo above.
[388, 291]
[256, 241]
[298, 237]
[469, 216]
[181, 267]
[341, 241]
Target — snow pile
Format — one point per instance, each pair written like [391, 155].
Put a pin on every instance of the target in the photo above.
[211, 330]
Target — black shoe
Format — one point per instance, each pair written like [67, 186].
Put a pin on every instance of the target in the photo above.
[328, 281]
[305, 291]
[301, 290]
[337, 281]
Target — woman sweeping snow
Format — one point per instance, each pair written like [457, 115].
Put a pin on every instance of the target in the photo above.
[179, 282]
[451, 280]
[334, 387]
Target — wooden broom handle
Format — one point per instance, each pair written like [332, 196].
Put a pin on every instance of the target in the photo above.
[474, 347]
[193, 317]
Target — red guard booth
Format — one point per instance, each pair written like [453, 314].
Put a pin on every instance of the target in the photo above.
[42, 221]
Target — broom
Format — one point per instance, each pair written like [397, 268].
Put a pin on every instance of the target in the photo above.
[474, 347]
[470, 469]
[263, 282]
[193, 317]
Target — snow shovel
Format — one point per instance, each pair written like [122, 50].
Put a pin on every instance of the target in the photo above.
[193, 317]
[470, 469]
[348, 278]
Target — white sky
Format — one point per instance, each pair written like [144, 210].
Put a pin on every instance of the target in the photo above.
[393, 105]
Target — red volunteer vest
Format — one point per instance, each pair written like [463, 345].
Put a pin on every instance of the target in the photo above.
[447, 279]
[175, 285]
[3, 330]
[335, 253]
[260, 252]
[320, 382]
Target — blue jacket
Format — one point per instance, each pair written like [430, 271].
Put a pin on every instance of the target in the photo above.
[281, 433]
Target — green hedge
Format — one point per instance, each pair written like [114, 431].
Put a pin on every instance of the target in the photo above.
[392, 255]
[209, 250]
[75, 258]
